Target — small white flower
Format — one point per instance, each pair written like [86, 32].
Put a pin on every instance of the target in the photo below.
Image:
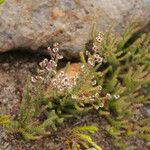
[56, 44]
[43, 63]
[92, 99]
[54, 83]
[55, 50]
[99, 38]
[60, 56]
[65, 82]
[97, 94]
[48, 68]
[101, 105]
[60, 88]
[74, 97]
[49, 49]
[108, 95]
[83, 68]
[52, 63]
[91, 62]
[41, 78]
[86, 53]
[98, 58]
[95, 48]
[94, 82]
[33, 79]
[61, 75]
[99, 88]
[116, 96]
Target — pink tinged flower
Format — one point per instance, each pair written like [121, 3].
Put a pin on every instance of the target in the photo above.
[61, 75]
[99, 38]
[98, 58]
[65, 82]
[59, 56]
[95, 48]
[55, 50]
[52, 63]
[56, 44]
[86, 53]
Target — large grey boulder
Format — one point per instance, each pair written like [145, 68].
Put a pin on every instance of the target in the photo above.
[34, 24]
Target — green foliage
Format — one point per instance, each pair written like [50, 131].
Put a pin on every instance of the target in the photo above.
[128, 77]
[2, 1]
[4, 120]
[40, 113]
[78, 138]
[34, 121]
[113, 80]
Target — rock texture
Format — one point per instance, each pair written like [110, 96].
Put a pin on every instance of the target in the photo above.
[34, 24]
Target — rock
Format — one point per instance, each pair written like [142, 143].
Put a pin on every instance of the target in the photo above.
[33, 25]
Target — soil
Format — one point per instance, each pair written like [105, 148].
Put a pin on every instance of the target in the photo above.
[14, 70]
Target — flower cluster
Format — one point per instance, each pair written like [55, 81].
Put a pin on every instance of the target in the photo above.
[47, 67]
[99, 38]
[62, 82]
[109, 96]
[95, 59]
[95, 48]
[55, 51]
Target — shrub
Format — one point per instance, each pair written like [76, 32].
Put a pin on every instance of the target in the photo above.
[112, 78]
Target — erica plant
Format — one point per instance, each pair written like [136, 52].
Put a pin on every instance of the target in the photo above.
[112, 79]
